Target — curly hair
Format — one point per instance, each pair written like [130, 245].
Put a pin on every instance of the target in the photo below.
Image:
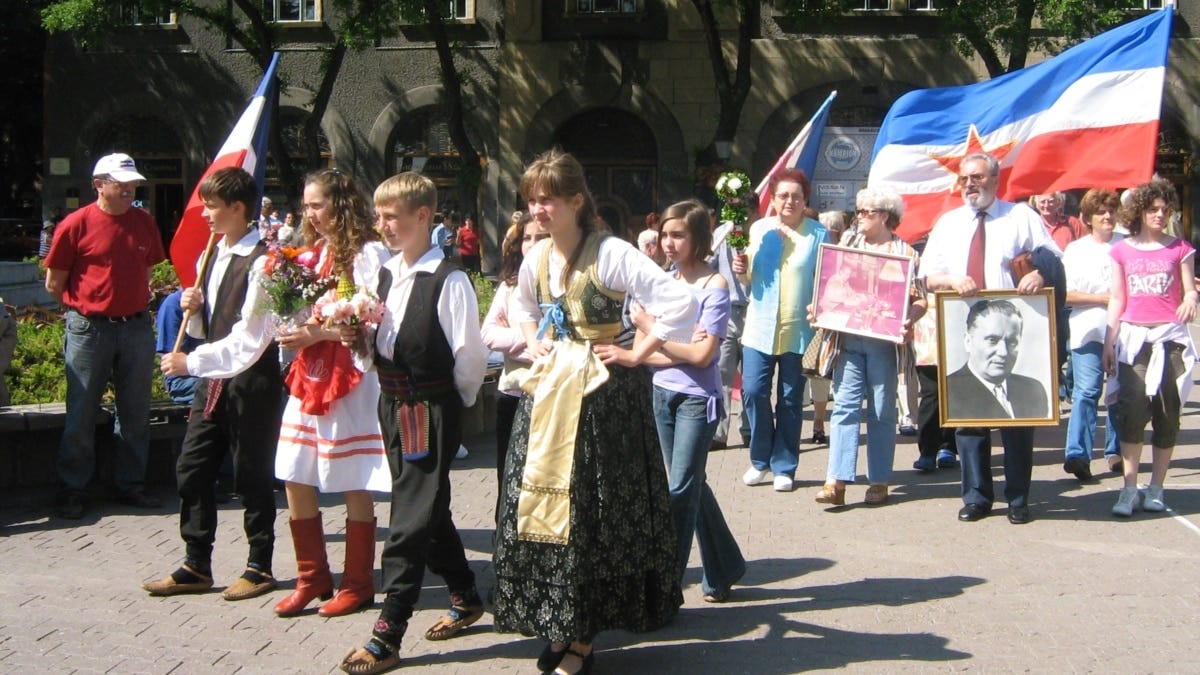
[1141, 199]
[1096, 199]
[884, 199]
[352, 226]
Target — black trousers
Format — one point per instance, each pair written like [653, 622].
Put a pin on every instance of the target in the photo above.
[931, 436]
[975, 456]
[244, 423]
[421, 531]
[506, 412]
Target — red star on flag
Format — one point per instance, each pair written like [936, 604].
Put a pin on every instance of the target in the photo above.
[974, 145]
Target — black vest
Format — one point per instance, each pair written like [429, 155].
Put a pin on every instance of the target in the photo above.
[227, 308]
[421, 351]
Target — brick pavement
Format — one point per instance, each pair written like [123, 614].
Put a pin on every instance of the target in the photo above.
[902, 588]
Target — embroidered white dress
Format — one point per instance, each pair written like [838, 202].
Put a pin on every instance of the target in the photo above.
[341, 450]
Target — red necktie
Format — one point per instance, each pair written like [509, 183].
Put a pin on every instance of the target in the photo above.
[975, 253]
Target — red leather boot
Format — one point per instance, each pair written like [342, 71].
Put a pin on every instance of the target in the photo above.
[358, 579]
[313, 579]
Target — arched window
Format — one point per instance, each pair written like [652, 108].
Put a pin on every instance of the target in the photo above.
[421, 142]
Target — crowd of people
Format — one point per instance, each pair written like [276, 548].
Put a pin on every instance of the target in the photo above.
[618, 369]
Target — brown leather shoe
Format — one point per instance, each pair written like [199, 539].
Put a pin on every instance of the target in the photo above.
[244, 589]
[453, 623]
[169, 586]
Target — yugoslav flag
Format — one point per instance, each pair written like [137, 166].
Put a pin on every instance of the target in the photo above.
[1085, 118]
[246, 147]
[801, 154]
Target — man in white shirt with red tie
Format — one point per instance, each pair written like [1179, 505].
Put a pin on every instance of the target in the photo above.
[993, 232]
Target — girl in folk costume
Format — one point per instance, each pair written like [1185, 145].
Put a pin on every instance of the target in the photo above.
[585, 541]
[330, 439]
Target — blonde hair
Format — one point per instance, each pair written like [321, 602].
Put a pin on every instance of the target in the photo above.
[410, 188]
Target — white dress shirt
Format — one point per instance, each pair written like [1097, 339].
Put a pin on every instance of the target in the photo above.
[458, 314]
[1010, 230]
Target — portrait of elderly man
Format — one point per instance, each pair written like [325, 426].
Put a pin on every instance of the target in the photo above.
[986, 387]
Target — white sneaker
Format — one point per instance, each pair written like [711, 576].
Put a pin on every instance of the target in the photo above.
[1152, 499]
[1127, 502]
[462, 452]
[755, 477]
[784, 484]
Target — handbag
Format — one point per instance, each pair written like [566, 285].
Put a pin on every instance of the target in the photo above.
[821, 353]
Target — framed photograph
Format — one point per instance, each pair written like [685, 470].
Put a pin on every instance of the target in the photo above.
[862, 292]
[999, 356]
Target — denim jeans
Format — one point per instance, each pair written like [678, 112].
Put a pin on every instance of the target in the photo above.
[774, 434]
[730, 362]
[96, 351]
[865, 369]
[1089, 382]
[685, 435]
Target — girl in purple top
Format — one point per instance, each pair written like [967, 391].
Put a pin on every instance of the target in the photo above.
[688, 401]
[1147, 344]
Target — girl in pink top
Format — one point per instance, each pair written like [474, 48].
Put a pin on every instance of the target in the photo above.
[1147, 344]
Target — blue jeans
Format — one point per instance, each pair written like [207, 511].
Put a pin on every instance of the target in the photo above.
[685, 435]
[1089, 382]
[865, 369]
[96, 351]
[774, 434]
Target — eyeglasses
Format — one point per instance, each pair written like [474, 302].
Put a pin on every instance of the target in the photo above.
[786, 197]
[868, 212]
[973, 178]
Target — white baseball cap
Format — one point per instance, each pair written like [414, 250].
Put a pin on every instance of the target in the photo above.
[119, 167]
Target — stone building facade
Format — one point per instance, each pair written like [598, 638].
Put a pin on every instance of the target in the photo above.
[624, 84]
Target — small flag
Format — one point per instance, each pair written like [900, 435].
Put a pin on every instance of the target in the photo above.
[246, 147]
[801, 154]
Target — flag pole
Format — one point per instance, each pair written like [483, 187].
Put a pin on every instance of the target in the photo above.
[212, 243]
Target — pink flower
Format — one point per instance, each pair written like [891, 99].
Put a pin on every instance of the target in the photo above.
[308, 258]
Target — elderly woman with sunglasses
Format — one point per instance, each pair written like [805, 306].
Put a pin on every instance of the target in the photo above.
[867, 367]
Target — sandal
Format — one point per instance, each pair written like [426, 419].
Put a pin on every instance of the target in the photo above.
[585, 667]
[549, 659]
[876, 494]
[362, 662]
[832, 493]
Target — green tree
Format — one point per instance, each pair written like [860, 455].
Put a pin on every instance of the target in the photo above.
[1001, 32]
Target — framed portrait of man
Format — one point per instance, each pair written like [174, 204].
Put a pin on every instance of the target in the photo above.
[862, 292]
[999, 360]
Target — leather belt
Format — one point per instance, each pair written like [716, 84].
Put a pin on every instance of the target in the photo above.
[110, 319]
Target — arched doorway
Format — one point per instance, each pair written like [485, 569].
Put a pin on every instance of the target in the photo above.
[420, 142]
[155, 147]
[619, 154]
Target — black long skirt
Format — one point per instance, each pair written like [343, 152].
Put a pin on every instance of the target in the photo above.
[619, 569]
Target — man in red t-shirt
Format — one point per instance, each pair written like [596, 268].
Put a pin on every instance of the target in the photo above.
[98, 268]
[1063, 229]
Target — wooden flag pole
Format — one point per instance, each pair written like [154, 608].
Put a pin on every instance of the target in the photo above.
[212, 243]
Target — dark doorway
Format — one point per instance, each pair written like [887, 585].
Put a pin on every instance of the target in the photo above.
[620, 155]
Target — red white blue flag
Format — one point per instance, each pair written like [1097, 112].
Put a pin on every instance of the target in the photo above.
[1085, 118]
[801, 154]
[246, 147]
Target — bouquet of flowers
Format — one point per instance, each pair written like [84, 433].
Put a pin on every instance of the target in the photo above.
[349, 306]
[291, 281]
[733, 188]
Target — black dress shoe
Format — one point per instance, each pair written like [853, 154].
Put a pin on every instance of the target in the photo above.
[1018, 515]
[972, 512]
[1080, 467]
[140, 500]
